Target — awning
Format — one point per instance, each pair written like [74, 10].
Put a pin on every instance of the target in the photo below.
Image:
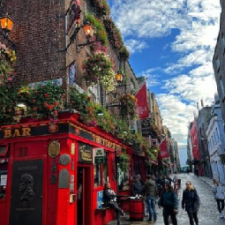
[153, 162]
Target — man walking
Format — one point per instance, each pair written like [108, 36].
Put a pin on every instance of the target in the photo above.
[150, 192]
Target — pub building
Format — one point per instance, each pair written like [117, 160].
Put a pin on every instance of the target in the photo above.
[55, 174]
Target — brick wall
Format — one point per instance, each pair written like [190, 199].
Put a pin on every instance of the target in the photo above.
[38, 34]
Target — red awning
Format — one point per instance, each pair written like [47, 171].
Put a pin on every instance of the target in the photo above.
[153, 162]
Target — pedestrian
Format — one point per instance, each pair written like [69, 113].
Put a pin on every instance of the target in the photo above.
[191, 203]
[169, 202]
[136, 188]
[218, 191]
[150, 193]
[110, 200]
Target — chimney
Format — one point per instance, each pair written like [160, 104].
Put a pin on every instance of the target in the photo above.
[202, 104]
[197, 105]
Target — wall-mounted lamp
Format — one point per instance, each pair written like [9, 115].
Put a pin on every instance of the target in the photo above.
[89, 33]
[7, 24]
[119, 77]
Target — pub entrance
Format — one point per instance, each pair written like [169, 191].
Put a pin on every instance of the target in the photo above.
[84, 190]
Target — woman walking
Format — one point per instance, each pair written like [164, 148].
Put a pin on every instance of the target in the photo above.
[169, 202]
[191, 203]
[218, 191]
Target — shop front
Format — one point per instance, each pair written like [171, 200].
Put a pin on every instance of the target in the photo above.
[54, 174]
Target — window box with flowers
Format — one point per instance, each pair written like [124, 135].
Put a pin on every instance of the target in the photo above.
[128, 106]
[99, 69]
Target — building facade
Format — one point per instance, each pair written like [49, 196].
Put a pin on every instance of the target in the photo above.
[202, 124]
[216, 142]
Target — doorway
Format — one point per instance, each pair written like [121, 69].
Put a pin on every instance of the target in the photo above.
[84, 200]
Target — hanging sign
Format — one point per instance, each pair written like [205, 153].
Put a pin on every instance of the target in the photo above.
[99, 155]
[145, 127]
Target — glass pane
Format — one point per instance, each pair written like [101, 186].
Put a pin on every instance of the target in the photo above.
[3, 179]
[122, 179]
[97, 175]
[105, 171]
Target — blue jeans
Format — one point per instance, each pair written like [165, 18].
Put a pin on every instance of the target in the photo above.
[151, 207]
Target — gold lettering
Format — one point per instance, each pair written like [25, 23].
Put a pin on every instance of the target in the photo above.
[26, 131]
[16, 133]
[7, 133]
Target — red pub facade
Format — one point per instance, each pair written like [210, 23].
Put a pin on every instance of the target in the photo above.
[50, 177]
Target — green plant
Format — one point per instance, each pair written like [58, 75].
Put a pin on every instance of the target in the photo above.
[99, 69]
[114, 34]
[102, 7]
[128, 106]
[100, 31]
[7, 60]
[124, 53]
[8, 103]
[42, 101]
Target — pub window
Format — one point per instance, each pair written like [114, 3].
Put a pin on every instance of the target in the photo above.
[105, 170]
[72, 73]
[97, 175]
[123, 172]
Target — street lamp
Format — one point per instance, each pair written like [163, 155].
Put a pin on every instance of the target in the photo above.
[6, 23]
[119, 77]
[88, 30]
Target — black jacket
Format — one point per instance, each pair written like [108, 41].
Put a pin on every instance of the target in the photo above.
[136, 188]
[190, 200]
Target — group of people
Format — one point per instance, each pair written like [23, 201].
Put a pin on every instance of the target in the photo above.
[168, 199]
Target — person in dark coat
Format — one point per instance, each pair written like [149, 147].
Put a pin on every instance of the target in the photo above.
[191, 202]
[136, 188]
[169, 202]
[109, 197]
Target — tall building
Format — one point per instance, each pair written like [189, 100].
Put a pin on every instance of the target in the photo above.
[219, 62]
[216, 142]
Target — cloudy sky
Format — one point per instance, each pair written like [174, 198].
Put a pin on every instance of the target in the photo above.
[172, 44]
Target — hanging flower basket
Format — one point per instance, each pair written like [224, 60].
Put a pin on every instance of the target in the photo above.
[124, 53]
[128, 106]
[99, 69]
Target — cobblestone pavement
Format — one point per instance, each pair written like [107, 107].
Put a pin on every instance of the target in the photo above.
[208, 214]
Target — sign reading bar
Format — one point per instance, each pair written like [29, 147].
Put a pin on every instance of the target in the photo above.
[145, 127]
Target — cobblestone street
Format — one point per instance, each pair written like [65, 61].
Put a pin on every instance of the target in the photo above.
[208, 214]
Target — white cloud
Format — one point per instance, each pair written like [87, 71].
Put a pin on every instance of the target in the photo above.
[198, 23]
[135, 45]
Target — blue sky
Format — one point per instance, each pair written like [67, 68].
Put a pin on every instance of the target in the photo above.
[172, 44]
